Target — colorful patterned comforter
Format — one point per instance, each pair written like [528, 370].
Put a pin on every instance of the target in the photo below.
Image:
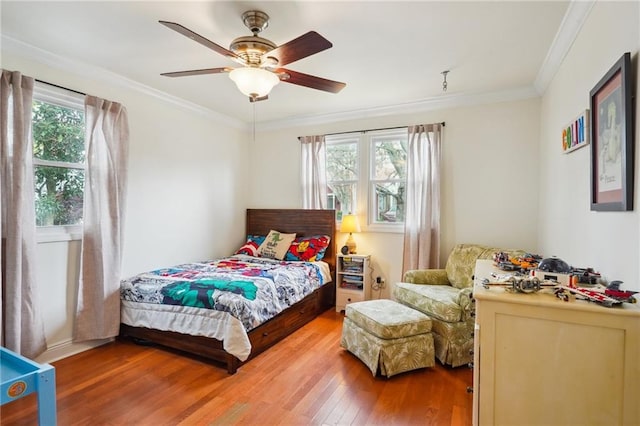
[221, 299]
[251, 289]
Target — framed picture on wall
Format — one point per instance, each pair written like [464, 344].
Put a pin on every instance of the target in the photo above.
[612, 148]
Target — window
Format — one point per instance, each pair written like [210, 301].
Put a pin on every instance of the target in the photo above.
[342, 175]
[388, 178]
[367, 173]
[58, 157]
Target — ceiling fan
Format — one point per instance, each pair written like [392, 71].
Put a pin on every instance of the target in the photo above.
[261, 59]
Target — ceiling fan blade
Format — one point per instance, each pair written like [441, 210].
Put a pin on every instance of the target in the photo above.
[203, 41]
[301, 47]
[310, 81]
[196, 72]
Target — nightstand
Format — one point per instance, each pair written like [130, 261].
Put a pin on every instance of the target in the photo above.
[353, 280]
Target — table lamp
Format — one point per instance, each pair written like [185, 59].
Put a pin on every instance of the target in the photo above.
[350, 224]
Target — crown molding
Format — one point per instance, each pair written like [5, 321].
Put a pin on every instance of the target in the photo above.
[83, 69]
[574, 18]
[423, 105]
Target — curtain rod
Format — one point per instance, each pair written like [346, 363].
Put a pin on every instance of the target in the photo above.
[370, 130]
[61, 87]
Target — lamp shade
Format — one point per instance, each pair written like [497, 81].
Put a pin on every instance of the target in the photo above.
[350, 224]
[254, 82]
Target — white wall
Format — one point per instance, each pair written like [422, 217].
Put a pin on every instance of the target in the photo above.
[185, 200]
[490, 177]
[607, 241]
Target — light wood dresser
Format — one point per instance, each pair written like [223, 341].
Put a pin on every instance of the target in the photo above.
[541, 361]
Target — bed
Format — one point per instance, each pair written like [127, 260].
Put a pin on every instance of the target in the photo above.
[241, 345]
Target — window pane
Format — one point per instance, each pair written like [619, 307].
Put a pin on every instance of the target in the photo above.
[389, 202]
[390, 159]
[342, 161]
[59, 195]
[343, 198]
[58, 133]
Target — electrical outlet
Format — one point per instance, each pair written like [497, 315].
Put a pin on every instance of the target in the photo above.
[380, 280]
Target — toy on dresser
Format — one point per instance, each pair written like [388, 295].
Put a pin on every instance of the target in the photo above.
[531, 273]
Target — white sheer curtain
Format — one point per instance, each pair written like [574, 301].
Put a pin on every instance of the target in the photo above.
[422, 221]
[314, 172]
[22, 328]
[107, 146]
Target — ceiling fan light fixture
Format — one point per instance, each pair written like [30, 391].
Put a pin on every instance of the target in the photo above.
[254, 82]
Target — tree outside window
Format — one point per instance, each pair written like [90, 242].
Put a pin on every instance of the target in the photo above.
[388, 178]
[59, 157]
[342, 176]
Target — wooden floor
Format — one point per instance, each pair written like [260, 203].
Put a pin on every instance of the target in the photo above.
[307, 379]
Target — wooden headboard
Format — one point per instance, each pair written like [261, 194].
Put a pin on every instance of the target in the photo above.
[304, 222]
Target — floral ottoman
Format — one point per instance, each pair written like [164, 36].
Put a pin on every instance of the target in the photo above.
[388, 335]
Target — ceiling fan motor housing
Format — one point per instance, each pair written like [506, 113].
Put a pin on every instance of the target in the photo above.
[251, 48]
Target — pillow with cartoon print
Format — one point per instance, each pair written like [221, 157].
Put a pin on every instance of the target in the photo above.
[250, 248]
[276, 244]
[308, 249]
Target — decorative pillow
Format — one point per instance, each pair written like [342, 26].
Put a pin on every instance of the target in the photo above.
[308, 249]
[275, 245]
[250, 248]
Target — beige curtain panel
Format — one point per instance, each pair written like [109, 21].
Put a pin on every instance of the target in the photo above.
[422, 221]
[314, 172]
[22, 328]
[107, 146]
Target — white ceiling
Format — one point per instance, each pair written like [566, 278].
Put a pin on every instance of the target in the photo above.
[389, 53]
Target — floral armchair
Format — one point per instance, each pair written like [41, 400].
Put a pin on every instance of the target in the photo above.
[445, 295]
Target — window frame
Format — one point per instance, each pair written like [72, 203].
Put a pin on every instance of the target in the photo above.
[347, 139]
[43, 92]
[372, 210]
[365, 186]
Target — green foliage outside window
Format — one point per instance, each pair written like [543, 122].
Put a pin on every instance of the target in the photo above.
[389, 175]
[58, 140]
[342, 176]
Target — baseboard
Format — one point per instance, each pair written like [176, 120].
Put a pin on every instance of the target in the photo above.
[67, 348]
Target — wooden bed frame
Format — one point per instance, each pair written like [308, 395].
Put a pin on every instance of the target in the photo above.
[259, 222]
